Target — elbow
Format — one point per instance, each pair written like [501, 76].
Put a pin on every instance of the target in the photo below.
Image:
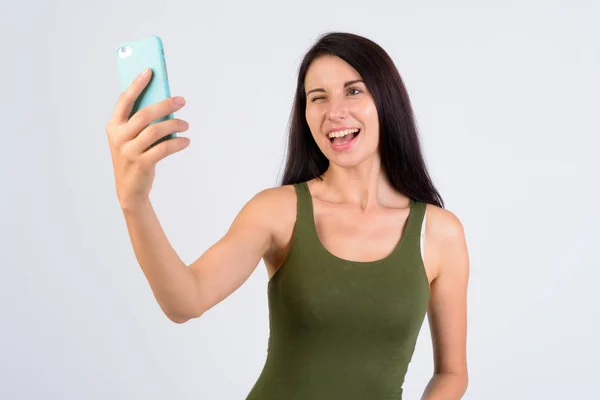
[463, 378]
[178, 319]
[193, 309]
[183, 318]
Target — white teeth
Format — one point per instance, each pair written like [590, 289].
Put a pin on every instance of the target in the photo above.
[342, 133]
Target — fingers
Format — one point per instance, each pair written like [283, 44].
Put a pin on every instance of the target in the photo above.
[131, 137]
[165, 149]
[141, 119]
[152, 133]
[128, 97]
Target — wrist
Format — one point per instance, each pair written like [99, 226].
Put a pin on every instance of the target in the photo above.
[134, 206]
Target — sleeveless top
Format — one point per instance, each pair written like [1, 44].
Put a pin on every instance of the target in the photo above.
[342, 329]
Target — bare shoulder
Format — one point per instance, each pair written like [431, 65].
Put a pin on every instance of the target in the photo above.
[443, 224]
[445, 236]
[274, 201]
[275, 206]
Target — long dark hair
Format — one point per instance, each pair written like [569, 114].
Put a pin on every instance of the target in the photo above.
[399, 147]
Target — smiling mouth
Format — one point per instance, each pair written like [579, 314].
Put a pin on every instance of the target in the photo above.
[348, 137]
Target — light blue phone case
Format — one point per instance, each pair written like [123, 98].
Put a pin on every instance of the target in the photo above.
[132, 58]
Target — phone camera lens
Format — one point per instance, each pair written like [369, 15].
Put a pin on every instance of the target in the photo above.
[124, 51]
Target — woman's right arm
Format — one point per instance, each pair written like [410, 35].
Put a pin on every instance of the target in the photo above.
[182, 292]
[185, 292]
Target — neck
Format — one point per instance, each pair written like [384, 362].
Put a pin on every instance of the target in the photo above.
[365, 185]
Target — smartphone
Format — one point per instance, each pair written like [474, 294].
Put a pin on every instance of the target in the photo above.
[132, 58]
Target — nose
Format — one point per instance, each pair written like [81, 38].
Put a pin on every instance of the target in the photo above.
[337, 109]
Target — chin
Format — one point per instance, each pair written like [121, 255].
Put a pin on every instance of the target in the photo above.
[348, 161]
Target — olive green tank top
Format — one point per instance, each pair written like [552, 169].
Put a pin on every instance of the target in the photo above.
[342, 329]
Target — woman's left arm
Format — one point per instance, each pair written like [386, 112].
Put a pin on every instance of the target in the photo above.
[447, 313]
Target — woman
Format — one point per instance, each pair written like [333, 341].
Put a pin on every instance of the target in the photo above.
[356, 242]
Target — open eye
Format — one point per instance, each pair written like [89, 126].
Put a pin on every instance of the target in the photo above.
[354, 89]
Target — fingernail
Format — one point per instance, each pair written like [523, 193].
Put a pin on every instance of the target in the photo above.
[145, 72]
[179, 101]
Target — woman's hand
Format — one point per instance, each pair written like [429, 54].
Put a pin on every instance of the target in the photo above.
[134, 161]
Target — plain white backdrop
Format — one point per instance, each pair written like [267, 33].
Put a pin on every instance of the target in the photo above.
[506, 96]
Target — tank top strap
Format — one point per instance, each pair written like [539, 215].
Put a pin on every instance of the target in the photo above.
[412, 232]
[303, 198]
[304, 215]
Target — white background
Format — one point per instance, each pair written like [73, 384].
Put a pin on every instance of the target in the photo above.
[506, 96]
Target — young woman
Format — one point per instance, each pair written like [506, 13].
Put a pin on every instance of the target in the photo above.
[356, 242]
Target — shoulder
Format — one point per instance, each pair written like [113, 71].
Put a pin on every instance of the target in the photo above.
[443, 224]
[274, 199]
[445, 236]
[275, 210]
[274, 207]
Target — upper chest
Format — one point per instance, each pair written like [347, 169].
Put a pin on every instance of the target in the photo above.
[342, 230]
[351, 234]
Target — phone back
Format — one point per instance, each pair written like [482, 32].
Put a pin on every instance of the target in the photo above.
[132, 58]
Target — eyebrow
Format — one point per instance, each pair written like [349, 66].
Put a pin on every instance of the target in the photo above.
[345, 85]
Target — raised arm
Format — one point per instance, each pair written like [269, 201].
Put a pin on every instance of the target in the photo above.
[182, 292]
[185, 292]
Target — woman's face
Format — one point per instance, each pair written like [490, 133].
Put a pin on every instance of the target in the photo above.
[338, 101]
